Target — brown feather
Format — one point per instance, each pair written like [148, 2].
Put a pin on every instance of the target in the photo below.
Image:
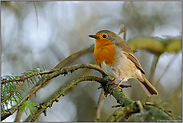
[129, 53]
[148, 88]
[135, 61]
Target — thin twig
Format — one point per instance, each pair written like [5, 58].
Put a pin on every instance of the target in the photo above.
[73, 57]
[153, 67]
[28, 76]
[99, 105]
[170, 62]
[36, 13]
[123, 29]
[18, 116]
[28, 118]
[12, 93]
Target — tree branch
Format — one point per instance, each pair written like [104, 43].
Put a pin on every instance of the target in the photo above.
[132, 108]
[73, 57]
[46, 80]
[156, 45]
[42, 107]
[99, 105]
[18, 116]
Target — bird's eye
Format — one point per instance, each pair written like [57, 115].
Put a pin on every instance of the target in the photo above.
[104, 36]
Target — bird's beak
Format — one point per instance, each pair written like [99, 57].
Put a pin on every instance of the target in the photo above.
[94, 36]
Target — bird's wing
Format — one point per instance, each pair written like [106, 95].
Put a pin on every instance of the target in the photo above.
[123, 45]
[135, 61]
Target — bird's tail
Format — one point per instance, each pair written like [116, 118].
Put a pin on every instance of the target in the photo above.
[148, 88]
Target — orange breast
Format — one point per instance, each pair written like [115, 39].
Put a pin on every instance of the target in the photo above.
[104, 52]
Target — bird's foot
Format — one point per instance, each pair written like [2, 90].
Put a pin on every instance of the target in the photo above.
[117, 86]
[113, 88]
[111, 82]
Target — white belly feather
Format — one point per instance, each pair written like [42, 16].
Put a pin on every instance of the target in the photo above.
[122, 68]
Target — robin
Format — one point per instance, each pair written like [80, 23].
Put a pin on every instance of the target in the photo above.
[116, 58]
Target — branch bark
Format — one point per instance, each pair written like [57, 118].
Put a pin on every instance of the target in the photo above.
[46, 80]
[42, 107]
[132, 108]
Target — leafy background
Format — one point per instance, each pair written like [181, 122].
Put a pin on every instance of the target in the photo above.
[47, 32]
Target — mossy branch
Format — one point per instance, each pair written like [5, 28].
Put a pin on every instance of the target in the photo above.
[54, 73]
[43, 106]
[132, 108]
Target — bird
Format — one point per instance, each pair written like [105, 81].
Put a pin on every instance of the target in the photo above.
[114, 55]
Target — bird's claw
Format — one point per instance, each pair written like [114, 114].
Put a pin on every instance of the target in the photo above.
[115, 87]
